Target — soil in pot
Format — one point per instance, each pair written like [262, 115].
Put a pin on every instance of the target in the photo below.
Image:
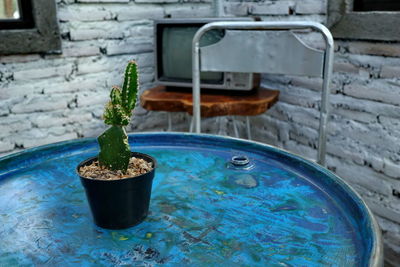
[137, 166]
[118, 200]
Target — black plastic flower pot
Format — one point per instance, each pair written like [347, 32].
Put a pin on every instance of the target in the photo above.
[119, 204]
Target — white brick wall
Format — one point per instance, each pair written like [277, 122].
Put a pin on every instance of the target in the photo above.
[49, 98]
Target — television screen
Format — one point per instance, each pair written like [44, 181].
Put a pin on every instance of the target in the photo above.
[173, 55]
[176, 53]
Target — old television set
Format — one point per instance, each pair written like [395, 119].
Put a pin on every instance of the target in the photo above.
[173, 56]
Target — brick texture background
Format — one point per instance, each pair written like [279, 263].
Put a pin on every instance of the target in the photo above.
[50, 98]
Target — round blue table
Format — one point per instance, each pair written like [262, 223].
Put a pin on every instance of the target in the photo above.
[278, 210]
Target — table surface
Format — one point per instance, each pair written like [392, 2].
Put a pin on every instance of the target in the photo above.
[213, 102]
[280, 211]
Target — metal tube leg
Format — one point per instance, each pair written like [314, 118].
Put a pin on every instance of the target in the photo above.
[169, 121]
[219, 122]
[191, 125]
[248, 127]
[324, 113]
[235, 129]
[196, 82]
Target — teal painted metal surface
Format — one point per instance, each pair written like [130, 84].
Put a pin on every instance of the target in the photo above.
[278, 211]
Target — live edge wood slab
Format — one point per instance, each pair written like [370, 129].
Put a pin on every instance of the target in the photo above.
[213, 103]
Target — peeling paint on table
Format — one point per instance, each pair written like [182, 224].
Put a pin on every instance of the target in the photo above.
[284, 211]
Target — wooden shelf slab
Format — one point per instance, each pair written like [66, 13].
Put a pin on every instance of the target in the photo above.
[213, 104]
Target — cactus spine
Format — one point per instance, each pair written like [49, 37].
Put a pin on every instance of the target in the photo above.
[114, 147]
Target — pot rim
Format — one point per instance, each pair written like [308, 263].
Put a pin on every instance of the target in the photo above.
[153, 160]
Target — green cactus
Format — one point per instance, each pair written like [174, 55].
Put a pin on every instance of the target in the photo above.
[114, 147]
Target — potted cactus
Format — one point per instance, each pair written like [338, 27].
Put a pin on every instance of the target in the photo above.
[118, 182]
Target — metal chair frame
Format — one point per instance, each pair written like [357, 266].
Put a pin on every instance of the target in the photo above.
[326, 72]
